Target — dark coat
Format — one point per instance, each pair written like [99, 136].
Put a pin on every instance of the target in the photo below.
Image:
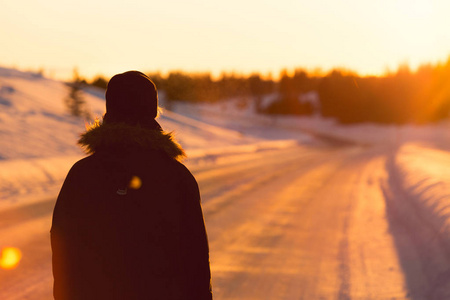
[128, 223]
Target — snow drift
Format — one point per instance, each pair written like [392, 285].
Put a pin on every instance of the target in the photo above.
[424, 175]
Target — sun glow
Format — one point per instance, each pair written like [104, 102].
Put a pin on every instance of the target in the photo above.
[10, 258]
[243, 36]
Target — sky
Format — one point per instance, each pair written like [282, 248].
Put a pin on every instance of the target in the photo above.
[108, 36]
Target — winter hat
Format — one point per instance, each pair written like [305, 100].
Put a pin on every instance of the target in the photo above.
[132, 98]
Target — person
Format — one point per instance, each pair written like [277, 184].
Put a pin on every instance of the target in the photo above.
[128, 223]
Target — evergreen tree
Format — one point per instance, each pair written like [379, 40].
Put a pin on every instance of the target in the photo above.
[75, 101]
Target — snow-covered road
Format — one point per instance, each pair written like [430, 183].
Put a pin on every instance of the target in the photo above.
[314, 227]
[305, 222]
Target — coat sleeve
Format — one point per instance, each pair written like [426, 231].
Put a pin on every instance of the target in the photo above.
[195, 245]
[64, 256]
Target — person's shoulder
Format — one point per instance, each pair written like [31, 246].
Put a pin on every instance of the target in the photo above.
[84, 162]
[83, 165]
[184, 172]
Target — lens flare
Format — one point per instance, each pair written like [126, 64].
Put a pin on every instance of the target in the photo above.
[135, 183]
[10, 258]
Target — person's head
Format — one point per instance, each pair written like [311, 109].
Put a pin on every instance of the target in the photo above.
[131, 98]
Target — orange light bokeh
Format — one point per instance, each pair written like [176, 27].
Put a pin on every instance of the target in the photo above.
[135, 183]
[10, 258]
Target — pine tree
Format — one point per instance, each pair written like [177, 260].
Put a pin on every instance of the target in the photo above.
[75, 101]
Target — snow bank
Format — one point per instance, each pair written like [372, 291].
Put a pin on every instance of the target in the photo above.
[424, 174]
[230, 115]
[34, 121]
[26, 180]
[217, 156]
[38, 136]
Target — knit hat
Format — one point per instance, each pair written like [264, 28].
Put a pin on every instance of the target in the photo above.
[132, 98]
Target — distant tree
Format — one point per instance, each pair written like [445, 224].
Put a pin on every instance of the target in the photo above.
[232, 86]
[258, 88]
[400, 97]
[39, 73]
[438, 104]
[157, 79]
[75, 101]
[205, 88]
[100, 82]
[290, 88]
[179, 86]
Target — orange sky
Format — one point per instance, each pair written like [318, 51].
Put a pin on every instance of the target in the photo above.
[112, 36]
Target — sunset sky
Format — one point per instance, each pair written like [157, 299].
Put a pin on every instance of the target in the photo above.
[108, 37]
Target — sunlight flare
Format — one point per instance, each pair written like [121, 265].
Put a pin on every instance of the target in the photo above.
[10, 258]
[135, 183]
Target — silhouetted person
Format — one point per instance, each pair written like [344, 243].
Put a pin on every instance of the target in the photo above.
[128, 223]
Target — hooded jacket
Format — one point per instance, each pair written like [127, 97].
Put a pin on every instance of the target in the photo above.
[128, 222]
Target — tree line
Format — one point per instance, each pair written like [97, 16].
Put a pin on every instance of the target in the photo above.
[399, 97]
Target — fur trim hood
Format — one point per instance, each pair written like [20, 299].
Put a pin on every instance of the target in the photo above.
[121, 136]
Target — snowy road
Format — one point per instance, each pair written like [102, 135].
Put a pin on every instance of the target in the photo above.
[313, 226]
[308, 222]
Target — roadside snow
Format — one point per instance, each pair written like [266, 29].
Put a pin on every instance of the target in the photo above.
[27, 180]
[424, 174]
[230, 115]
